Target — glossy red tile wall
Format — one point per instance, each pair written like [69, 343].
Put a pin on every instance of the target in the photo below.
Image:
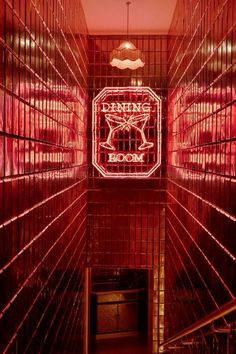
[43, 178]
[125, 222]
[201, 187]
[125, 215]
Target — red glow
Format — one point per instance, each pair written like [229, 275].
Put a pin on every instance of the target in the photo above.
[126, 132]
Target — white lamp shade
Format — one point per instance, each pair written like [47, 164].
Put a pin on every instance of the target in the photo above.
[127, 56]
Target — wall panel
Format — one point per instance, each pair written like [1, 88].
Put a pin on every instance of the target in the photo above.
[201, 212]
[126, 218]
[124, 215]
[43, 178]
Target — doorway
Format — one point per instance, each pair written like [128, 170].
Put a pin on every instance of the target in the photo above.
[119, 311]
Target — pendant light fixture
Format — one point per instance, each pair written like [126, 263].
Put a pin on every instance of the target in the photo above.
[127, 55]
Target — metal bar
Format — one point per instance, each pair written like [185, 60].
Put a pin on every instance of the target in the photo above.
[213, 316]
[87, 309]
[130, 291]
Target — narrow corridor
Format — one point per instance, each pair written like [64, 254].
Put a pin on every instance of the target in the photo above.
[117, 186]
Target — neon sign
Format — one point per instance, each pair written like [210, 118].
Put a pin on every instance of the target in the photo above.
[126, 132]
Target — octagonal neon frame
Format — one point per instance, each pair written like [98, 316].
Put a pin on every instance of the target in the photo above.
[109, 126]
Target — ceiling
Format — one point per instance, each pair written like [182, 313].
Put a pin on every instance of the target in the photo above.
[146, 16]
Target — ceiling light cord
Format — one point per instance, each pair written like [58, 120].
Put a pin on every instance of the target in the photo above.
[128, 5]
[127, 56]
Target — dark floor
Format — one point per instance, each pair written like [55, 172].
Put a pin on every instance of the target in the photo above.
[126, 345]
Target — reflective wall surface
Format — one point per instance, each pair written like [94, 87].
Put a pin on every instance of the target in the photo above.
[125, 224]
[127, 217]
[43, 110]
[201, 210]
[123, 214]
